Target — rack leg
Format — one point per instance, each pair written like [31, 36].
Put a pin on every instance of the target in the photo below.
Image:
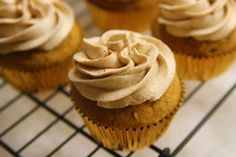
[165, 153]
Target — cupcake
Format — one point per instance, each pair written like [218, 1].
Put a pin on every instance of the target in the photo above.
[202, 35]
[37, 43]
[136, 15]
[125, 87]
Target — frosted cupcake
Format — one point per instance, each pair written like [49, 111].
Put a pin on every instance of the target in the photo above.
[37, 42]
[136, 15]
[125, 87]
[202, 35]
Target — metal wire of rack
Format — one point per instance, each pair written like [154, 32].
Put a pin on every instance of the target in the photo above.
[10, 98]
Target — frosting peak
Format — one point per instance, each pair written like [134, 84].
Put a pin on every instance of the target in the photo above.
[122, 68]
[29, 24]
[203, 20]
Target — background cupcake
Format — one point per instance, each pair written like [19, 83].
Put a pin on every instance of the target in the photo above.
[201, 33]
[37, 42]
[123, 14]
[125, 87]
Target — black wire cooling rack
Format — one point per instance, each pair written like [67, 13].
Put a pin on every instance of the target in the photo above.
[28, 120]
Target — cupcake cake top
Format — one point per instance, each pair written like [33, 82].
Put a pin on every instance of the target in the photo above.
[122, 68]
[204, 20]
[30, 24]
[124, 4]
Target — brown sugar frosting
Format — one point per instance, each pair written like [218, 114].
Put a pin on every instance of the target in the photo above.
[122, 68]
[40, 24]
[204, 20]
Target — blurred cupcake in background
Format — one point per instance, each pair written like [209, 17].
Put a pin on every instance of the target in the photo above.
[136, 15]
[125, 87]
[202, 35]
[37, 42]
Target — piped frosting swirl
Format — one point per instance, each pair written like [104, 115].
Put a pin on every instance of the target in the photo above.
[122, 68]
[30, 24]
[204, 20]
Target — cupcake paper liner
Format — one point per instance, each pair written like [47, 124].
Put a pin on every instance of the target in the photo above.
[38, 80]
[136, 20]
[129, 138]
[203, 68]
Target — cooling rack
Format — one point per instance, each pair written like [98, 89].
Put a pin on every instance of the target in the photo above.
[46, 124]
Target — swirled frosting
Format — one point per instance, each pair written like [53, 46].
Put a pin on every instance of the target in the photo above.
[122, 68]
[204, 20]
[29, 24]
